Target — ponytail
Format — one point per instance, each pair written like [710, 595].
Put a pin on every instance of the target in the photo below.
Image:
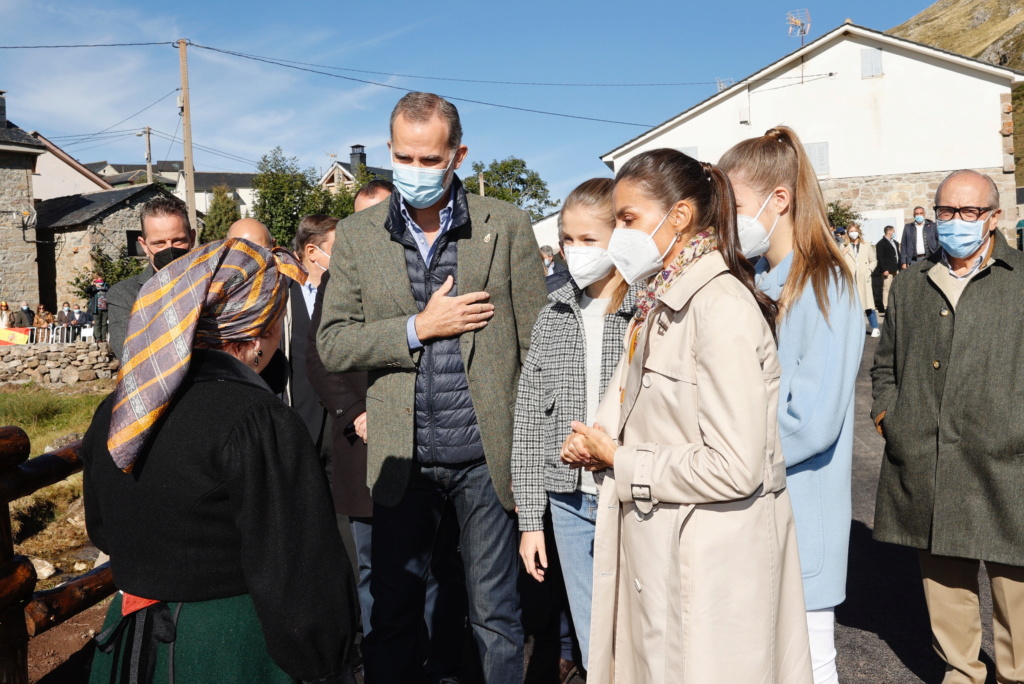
[778, 159]
[722, 215]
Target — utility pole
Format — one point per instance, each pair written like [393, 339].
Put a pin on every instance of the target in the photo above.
[186, 129]
[480, 177]
[149, 157]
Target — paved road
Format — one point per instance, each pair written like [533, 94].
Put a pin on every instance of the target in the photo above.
[883, 636]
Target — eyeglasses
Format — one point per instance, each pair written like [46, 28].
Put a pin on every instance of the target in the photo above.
[966, 213]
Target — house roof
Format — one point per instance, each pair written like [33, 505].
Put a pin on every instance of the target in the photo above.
[386, 174]
[1015, 77]
[56, 151]
[74, 210]
[163, 166]
[206, 181]
[12, 135]
[128, 177]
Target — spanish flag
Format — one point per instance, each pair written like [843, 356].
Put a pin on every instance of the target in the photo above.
[14, 336]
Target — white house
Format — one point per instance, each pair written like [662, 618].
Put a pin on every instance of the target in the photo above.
[882, 118]
[546, 230]
[239, 183]
[58, 174]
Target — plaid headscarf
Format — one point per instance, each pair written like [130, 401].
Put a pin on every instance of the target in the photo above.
[231, 290]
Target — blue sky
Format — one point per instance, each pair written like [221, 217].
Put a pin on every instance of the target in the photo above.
[245, 108]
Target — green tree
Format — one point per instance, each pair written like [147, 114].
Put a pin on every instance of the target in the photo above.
[222, 212]
[282, 194]
[842, 215]
[111, 269]
[510, 180]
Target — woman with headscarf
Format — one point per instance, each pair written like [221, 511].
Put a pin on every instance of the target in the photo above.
[205, 490]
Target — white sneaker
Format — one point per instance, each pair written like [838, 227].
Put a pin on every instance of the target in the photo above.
[875, 332]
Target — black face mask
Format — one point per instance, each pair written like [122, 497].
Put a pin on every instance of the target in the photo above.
[166, 256]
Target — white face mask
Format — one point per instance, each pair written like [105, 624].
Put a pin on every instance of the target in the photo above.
[754, 240]
[317, 247]
[854, 235]
[635, 253]
[587, 265]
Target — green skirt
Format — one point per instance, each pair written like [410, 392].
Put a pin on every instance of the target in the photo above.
[216, 641]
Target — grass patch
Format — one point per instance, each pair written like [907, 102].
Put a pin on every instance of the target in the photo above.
[47, 414]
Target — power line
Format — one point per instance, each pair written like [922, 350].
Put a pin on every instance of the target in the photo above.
[85, 135]
[130, 117]
[167, 155]
[92, 45]
[105, 142]
[205, 148]
[394, 87]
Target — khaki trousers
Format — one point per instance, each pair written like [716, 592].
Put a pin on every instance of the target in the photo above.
[951, 592]
[886, 284]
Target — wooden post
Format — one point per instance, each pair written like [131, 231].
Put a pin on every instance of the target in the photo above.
[14, 450]
[480, 177]
[149, 158]
[186, 137]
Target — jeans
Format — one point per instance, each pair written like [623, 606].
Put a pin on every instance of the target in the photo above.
[409, 541]
[821, 629]
[574, 517]
[872, 318]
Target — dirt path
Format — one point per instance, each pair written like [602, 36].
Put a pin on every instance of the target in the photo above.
[62, 655]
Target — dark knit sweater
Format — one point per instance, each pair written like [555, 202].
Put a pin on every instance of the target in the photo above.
[229, 498]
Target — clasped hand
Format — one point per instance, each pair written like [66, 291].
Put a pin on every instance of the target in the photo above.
[588, 447]
[446, 316]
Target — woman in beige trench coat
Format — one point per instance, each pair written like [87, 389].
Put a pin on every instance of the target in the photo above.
[861, 257]
[696, 572]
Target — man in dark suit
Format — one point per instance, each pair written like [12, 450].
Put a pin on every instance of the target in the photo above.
[920, 239]
[888, 252]
[435, 294]
[313, 242]
[166, 235]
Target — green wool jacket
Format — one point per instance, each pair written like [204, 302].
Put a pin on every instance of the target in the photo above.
[951, 383]
[368, 301]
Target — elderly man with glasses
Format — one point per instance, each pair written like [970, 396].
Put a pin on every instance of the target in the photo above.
[947, 383]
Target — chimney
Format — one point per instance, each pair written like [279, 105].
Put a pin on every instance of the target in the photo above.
[358, 157]
[3, 109]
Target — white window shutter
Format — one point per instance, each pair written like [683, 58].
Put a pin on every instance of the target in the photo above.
[818, 154]
[871, 62]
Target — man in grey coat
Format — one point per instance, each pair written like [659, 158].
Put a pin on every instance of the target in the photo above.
[947, 382]
[435, 293]
[166, 235]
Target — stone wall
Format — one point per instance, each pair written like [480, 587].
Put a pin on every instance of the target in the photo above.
[906, 191]
[48, 364]
[18, 273]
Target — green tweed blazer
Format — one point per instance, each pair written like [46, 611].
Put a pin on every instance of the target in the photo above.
[951, 383]
[368, 301]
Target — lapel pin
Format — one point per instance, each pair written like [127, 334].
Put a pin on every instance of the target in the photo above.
[487, 238]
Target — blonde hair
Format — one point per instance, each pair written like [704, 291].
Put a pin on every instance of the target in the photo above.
[595, 195]
[776, 159]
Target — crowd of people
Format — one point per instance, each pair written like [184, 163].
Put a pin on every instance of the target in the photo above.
[659, 430]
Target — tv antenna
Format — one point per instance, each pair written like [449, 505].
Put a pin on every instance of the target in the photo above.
[799, 22]
[724, 83]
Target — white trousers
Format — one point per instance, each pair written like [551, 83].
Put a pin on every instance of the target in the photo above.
[821, 629]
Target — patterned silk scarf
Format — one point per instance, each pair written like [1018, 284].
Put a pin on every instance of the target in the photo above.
[700, 244]
[231, 290]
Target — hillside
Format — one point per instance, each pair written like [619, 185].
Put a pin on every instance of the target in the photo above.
[990, 30]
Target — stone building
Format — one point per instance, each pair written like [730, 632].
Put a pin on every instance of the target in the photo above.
[70, 227]
[883, 120]
[18, 154]
[343, 174]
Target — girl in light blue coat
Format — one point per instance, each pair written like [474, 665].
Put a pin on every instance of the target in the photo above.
[782, 216]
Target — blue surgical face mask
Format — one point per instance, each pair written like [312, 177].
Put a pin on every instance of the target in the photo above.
[961, 238]
[919, 219]
[420, 187]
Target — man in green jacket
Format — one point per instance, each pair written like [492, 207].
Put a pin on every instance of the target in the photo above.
[948, 384]
[435, 293]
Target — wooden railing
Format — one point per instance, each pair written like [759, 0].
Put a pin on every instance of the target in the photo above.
[24, 612]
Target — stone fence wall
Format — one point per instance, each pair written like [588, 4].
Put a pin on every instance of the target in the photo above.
[48, 364]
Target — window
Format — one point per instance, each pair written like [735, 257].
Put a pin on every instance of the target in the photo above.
[134, 248]
[871, 62]
[818, 154]
[689, 151]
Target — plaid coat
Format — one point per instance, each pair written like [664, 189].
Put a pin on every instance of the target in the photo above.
[553, 393]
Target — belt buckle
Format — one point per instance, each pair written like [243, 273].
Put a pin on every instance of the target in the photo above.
[640, 492]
